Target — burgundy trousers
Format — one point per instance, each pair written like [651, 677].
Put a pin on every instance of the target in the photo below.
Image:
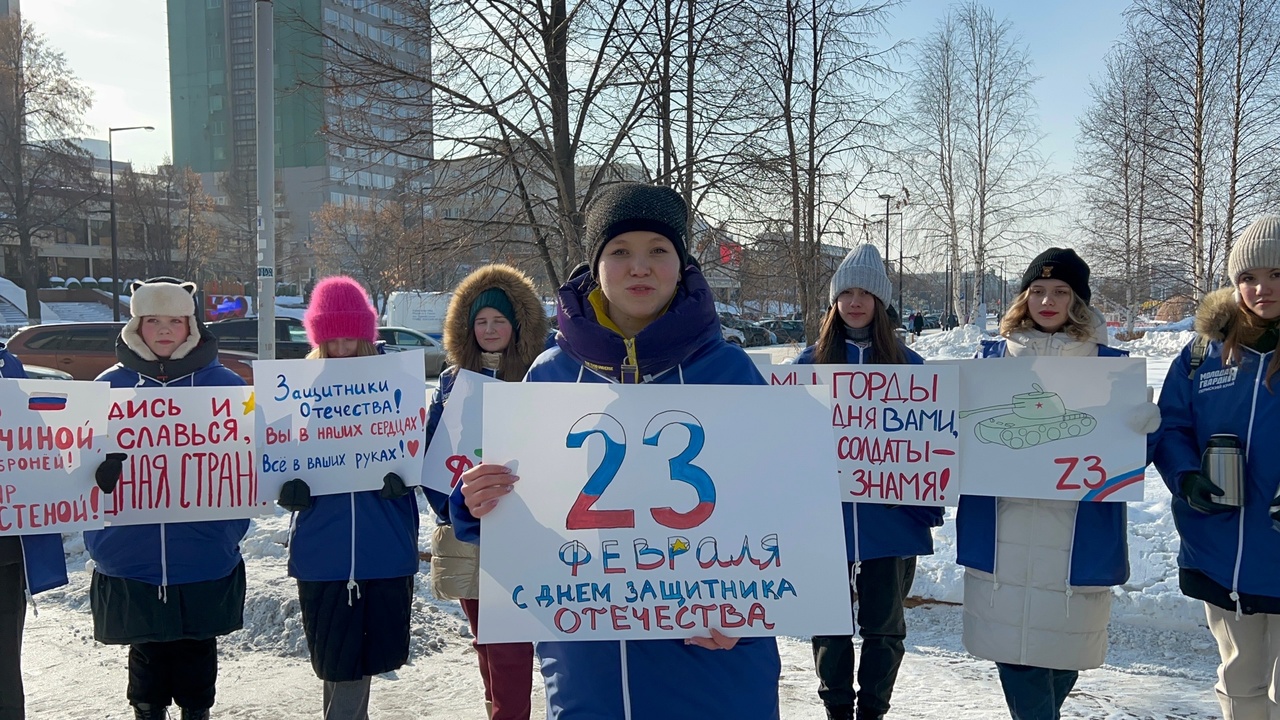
[506, 668]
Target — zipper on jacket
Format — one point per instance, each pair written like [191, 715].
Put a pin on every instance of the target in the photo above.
[351, 579]
[163, 591]
[626, 688]
[1248, 445]
[1071, 553]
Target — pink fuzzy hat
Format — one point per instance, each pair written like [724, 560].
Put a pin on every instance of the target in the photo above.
[340, 309]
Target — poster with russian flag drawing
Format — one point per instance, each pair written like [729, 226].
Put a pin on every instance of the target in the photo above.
[53, 436]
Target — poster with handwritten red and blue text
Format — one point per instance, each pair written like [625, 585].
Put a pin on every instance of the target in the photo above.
[661, 511]
[53, 436]
[1057, 428]
[340, 424]
[455, 446]
[189, 456]
[896, 439]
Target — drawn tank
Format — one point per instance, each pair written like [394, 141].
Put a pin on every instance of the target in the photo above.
[1038, 417]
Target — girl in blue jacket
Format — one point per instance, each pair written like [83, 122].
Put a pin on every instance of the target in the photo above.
[166, 590]
[1225, 382]
[353, 554]
[882, 541]
[1038, 573]
[641, 312]
[29, 564]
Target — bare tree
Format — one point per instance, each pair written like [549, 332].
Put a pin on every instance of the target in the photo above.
[44, 178]
[974, 138]
[374, 245]
[1113, 166]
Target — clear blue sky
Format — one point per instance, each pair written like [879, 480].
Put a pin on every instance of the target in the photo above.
[120, 49]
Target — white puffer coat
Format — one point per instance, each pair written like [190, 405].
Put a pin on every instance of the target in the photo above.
[1027, 613]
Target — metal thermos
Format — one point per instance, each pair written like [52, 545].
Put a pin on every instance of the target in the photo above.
[1223, 463]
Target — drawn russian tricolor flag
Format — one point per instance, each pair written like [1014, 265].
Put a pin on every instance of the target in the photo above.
[42, 402]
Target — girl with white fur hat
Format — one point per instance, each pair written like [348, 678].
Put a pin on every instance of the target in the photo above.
[166, 590]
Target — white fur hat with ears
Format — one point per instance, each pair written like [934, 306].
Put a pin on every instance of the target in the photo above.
[164, 296]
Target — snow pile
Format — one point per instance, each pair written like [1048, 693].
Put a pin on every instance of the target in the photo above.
[961, 343]
[1158, 344]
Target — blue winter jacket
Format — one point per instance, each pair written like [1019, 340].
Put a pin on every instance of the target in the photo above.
[1238, 550]
[169, 553]
[1100, 550]
[663, 678]
[872, 530]
[46, 566]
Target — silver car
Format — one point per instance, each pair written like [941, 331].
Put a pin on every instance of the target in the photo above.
[399, 339]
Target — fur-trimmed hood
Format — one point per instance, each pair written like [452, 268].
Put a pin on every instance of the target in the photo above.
[527, 342]
[1215, 313]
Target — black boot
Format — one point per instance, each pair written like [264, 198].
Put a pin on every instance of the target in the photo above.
[868, 715]
[147, 711]
[839, 712]
[189, 714]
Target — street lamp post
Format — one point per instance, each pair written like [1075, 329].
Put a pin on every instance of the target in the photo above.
[115, 252]
[886, 197]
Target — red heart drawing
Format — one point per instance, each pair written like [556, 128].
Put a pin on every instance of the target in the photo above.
[422, 415]
[413, 448]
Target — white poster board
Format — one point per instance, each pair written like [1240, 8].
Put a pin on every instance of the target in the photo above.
[340, 424]
[455, 447]
[190, 456]
[53, 436]
[1052, 428]
[895, 440]
[657, 511]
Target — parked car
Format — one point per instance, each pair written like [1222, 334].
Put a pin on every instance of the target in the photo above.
[39, 372]
[242, 334]
[752, 333]
[400, 339]
[735, 337]
[85, 349]
[787, 331]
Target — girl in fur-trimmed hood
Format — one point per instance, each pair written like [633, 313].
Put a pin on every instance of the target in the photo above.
[1223, 384]
[495, 325]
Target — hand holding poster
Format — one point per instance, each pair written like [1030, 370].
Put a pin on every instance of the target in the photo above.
[189, 456]
[1052, 428]
[661, 511]
[455, 447]
[895, 429]
[52, 434]
[340, 424]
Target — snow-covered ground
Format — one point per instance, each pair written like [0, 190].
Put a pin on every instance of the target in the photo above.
[1161, 661]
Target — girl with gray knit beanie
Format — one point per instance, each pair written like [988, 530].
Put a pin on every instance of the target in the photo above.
[1222, 391]
[881, 541]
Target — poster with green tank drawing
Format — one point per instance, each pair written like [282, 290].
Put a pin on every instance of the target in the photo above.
[1052, 427]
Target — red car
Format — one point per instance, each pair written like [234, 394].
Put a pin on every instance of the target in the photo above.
[84, 350]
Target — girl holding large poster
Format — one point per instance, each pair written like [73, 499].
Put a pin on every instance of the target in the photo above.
[495, 325]
[1216, 452]
[166, 590]
[881, 541]
[353, 554]
[1038, 573]
[29, 564]
[640, 312]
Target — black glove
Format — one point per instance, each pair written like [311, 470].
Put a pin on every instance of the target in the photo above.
[295, 495]
[393, 487]
[109, 471]
[1199, 492]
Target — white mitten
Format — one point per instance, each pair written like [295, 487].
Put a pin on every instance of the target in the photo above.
[1145, 419]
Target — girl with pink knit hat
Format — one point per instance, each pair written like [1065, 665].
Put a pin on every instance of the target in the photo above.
[355, 554]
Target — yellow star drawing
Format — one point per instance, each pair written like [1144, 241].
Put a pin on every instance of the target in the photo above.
[248, 405]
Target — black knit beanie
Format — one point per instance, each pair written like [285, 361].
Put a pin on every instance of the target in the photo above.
[624, 207]
[1060, 264]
